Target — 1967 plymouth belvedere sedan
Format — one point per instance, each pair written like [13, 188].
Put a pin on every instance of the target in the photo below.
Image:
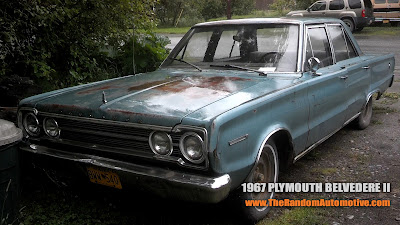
[233, 103]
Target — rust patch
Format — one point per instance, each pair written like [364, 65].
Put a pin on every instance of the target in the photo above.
[226, 84]
[131, 113]
[95, 89]
[146, 85]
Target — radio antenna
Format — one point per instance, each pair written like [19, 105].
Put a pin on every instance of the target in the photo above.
[133, 46]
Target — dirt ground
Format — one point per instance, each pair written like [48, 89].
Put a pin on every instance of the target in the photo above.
[370, 155]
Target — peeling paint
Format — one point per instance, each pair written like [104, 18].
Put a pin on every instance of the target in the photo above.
[96, 89]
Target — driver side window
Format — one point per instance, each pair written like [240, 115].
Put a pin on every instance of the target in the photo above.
[318, 6]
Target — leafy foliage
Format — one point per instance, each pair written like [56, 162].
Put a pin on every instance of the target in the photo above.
[191, 11]
[283, 6]
[144, 61]
[59, 43]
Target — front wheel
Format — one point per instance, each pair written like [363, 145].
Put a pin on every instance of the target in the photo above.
[364, 119]
[266, 171]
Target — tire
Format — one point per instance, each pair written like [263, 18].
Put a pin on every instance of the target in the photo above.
[359, 29]
[364, 119]
[349, 23]
[266, 171]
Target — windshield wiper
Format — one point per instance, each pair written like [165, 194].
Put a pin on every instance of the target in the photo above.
[191, 64]
[261, 73]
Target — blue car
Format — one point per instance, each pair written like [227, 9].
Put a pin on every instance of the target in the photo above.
[233, 103]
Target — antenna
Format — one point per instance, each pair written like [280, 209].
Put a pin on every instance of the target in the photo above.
[133, 46]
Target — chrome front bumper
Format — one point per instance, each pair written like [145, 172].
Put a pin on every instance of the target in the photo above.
[165, 183]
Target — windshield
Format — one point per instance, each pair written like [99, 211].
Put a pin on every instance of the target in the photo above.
[267, 48]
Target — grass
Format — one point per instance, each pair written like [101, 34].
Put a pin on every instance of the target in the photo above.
[391, 95]
[381, 109]
[382, 30]
[298, 215]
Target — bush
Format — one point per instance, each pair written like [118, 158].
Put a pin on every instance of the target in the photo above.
[56, 44]
[150, 51]
[283, 6]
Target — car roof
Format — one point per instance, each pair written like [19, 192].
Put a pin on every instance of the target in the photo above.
[283, 20]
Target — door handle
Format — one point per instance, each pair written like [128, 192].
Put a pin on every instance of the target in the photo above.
[365, 67]
[344, 77]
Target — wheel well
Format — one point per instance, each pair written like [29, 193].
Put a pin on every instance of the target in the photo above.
[284, 145]
[350, 18]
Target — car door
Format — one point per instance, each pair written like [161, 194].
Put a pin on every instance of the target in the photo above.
[325, 94]
[318, 9]
[336, 8]
[356, 79]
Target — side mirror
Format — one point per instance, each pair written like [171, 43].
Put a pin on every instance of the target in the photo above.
[314, 64]
[237, 38]
[308, 9]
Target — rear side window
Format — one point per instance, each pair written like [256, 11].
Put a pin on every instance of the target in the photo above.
[352, 51]
[336, 5]
[320, 45]
[393, 1]
[355, 4]
[380, 1]
[338, 42]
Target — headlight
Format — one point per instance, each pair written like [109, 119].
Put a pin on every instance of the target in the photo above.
[192, 146]
[31, 124]
[160, 143]
[50, 127]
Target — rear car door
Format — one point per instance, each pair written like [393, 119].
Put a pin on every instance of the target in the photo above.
[356, 77]
[336, 7]
[325, 94]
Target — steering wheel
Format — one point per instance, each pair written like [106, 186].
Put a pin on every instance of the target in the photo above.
[270, 57]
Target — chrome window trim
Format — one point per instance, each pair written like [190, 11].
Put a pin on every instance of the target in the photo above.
[346, 36]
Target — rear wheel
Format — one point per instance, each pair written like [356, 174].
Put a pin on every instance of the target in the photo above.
[364, 119]
[359, 28]
[349, 23]
[266, 171]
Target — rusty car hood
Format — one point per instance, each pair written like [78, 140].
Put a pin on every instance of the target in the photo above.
[161, 97]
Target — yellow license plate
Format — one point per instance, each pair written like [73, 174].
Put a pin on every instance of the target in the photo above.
[385, 21]
[107, 178]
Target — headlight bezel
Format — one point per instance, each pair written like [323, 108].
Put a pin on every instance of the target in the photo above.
[171, 149]
[46, 129]
[25, 124]
[184, 151]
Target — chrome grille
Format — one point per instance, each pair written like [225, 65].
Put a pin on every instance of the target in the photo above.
[130, 139]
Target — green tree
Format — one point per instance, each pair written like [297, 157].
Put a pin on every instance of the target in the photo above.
[59, 43]
[192, 11]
